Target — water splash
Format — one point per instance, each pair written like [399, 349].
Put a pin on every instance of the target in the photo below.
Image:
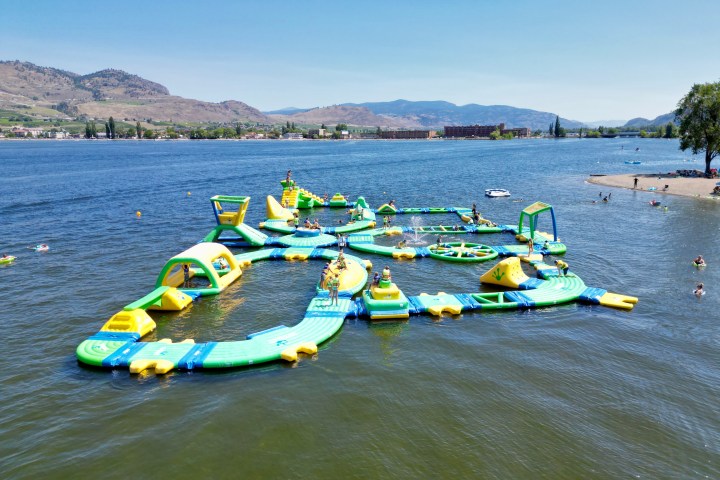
[415, 237]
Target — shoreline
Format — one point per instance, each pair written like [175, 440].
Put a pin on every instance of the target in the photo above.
[693, 187]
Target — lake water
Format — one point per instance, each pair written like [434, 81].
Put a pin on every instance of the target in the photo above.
[569, 392]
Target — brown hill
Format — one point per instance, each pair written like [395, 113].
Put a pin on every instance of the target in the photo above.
[25, 86]
[359, 116]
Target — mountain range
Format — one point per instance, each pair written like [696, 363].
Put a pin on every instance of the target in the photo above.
[45, 92]
[656, 122]
[28, 88]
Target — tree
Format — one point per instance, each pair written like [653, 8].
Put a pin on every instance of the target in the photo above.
[378, 132]
[698, 113]
[107, 130]
[557, 126]
[88, 132]
[111, 124]
[551, 130]
[323, 126]
[340, 127]
[669, 131]
[93, 129]
[138, 129]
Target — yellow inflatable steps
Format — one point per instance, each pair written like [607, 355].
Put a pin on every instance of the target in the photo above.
[130, 321]
[172, 300]
[617, 300]
[507, 273]
[289, 197]
[442, 302]
[275, 211]
[160, 366]
[290, 354]
[390, 292]
[535, 257]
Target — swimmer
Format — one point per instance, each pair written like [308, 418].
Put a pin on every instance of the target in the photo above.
[386, 273]
[401, 244]
[699, 290]
[699, 261]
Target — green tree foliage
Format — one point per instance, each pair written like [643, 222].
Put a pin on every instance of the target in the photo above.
[557, 126]
[131, 132]
[698, 113]
[671, 130]
[111, 124]
[340, 127]
[551, 130]
[149, 134]
[107, 129]
[88, 132]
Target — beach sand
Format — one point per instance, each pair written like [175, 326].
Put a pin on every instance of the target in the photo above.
[683, 186]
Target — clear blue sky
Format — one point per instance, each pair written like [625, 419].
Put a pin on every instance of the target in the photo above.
[584, 60]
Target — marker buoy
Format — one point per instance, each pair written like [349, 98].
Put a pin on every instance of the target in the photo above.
[189, 193]
[138, 214]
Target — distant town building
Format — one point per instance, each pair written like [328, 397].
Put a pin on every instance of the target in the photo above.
[407, 134]
[292, 136]
[27, 132]
[320, 132]
[484, 131]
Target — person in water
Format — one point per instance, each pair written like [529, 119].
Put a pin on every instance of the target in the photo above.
[635, 181]
[530, 246]
[307, 223]
[401, 244]
[699, 290]
[699, 260]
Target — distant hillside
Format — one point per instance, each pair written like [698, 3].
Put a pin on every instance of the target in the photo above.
[358, 116]
[106, 93]
[656, 122]
[287, 111]
[436, 114]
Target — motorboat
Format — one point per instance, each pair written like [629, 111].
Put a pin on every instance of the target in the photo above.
[496, 192]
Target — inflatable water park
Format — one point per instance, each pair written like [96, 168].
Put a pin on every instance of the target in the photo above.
[345, 289]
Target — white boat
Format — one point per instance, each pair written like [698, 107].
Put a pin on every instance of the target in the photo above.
[496, 192]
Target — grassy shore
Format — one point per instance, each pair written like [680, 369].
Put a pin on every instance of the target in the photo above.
[655, 183]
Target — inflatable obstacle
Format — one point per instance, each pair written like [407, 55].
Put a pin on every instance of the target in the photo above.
[209, 267]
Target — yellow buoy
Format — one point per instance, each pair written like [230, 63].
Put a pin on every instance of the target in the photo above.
[138, 214]
[189, 193]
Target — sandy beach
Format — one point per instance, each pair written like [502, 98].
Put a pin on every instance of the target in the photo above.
[655, 183]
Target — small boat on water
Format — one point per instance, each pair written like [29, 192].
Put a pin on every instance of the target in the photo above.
[633, 162]
[496, 192]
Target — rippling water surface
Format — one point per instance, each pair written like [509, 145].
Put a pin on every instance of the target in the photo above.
[573, 391]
